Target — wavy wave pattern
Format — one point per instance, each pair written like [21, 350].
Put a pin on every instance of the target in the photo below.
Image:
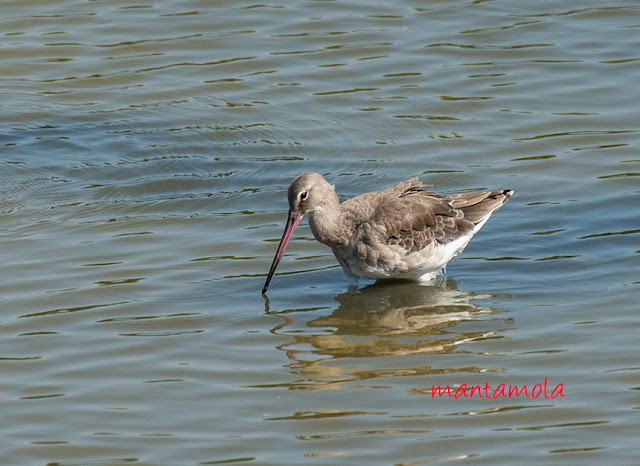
[145, 152]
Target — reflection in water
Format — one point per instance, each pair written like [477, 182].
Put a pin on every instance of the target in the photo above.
[394, 320]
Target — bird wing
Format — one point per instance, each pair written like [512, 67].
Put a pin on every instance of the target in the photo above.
[418, 219]
[407, 220]
[404, 225]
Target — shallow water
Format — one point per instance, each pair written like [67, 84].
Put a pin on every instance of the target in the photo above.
[145, 152]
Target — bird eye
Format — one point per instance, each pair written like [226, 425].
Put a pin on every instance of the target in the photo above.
[304, 195]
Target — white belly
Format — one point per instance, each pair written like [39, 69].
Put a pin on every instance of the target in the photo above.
[423, 266]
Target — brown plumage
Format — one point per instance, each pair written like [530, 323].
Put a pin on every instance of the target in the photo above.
[405, 231]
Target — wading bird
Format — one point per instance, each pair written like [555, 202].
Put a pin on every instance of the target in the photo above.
[405, 231]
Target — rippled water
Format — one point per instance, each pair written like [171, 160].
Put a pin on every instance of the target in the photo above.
[145, 152]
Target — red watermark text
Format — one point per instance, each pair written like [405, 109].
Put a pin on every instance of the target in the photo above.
[539, 390]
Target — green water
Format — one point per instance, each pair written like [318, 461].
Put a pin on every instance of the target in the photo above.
[145, 152]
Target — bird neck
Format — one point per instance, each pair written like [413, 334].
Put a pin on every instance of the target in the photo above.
[327, 223]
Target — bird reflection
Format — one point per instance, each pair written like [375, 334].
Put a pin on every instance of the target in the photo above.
[389, 319]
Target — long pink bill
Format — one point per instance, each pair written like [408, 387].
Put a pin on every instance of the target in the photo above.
[292, 223]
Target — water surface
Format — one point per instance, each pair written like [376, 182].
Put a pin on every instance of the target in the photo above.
[145, 152]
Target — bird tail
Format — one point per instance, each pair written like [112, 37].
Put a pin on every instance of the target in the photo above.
[478, 207]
